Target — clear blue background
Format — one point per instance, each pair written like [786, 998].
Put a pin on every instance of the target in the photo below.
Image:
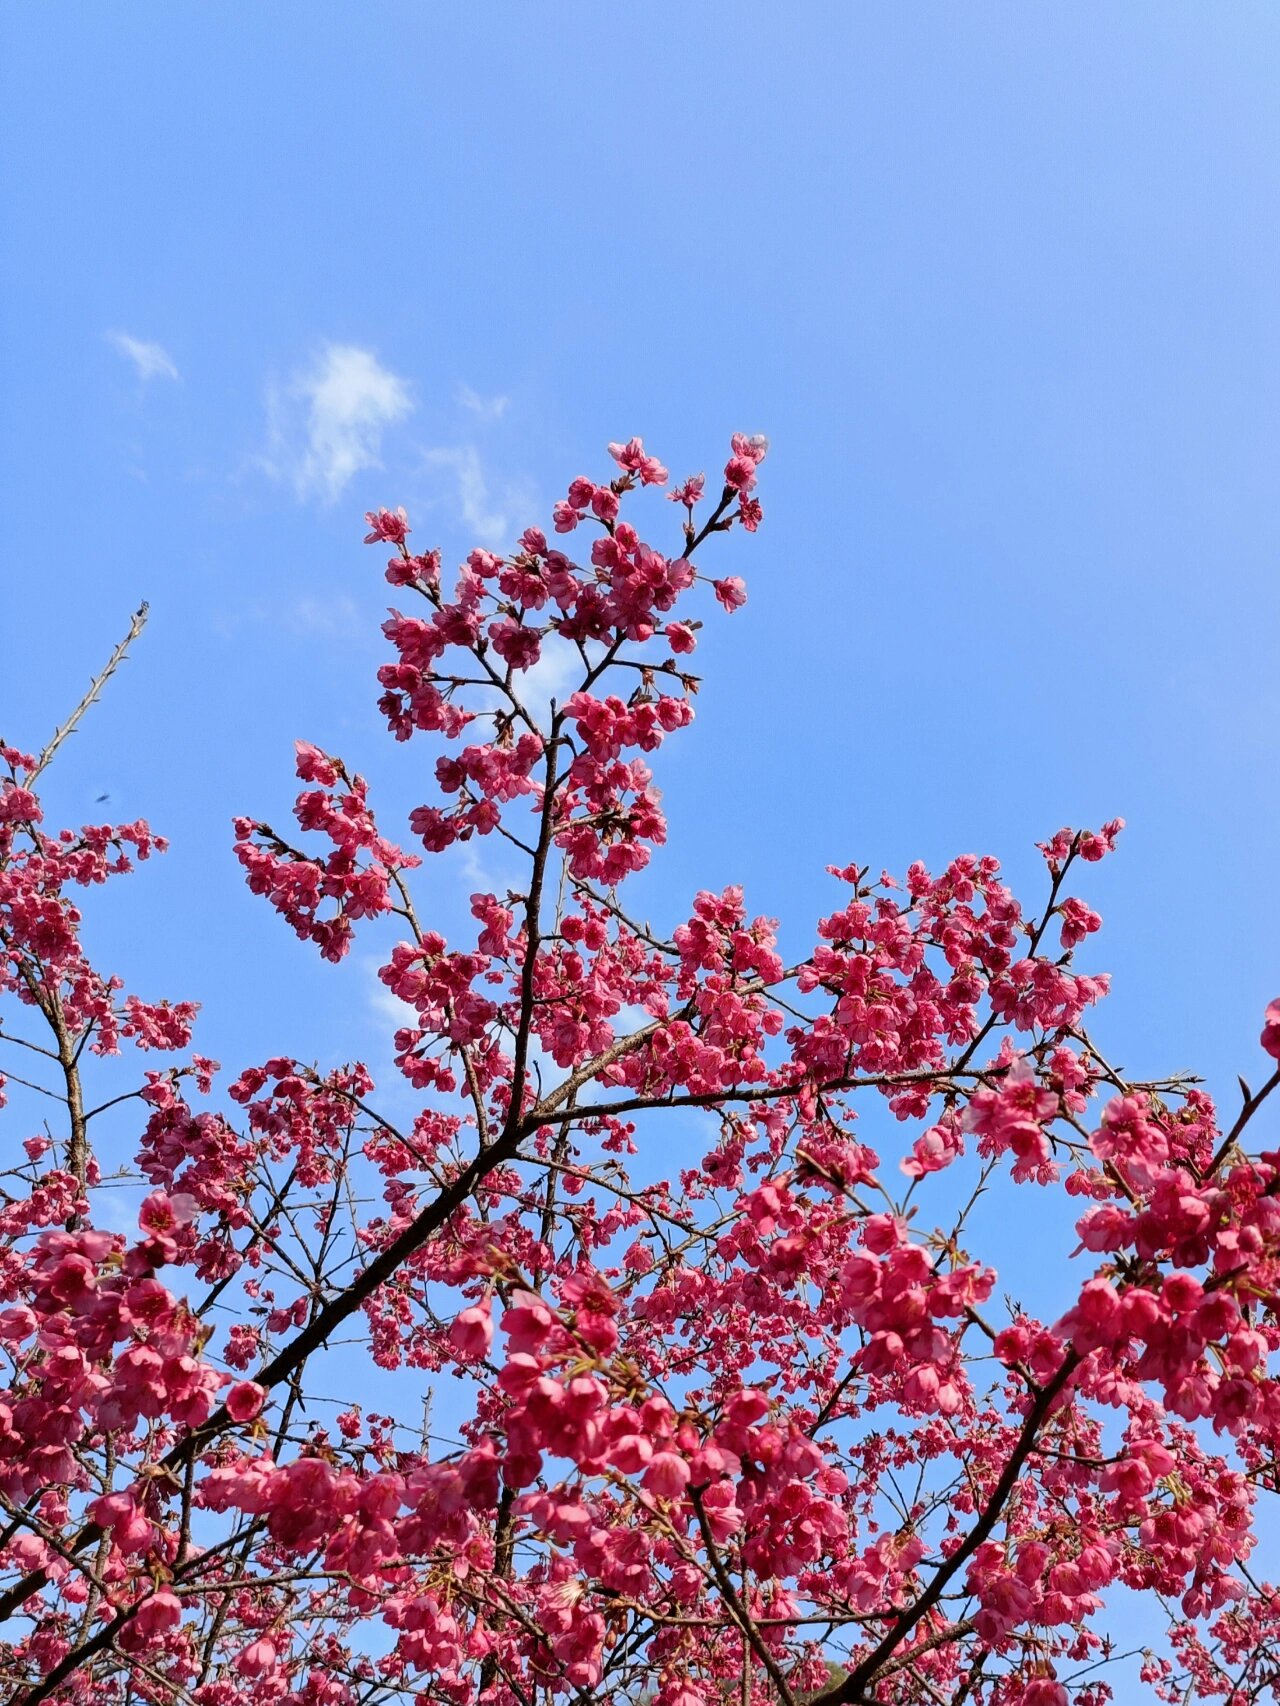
[999, 282]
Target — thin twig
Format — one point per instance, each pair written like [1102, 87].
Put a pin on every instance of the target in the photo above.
[137, 623]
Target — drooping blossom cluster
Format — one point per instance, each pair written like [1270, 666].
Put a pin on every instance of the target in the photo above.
[674, 1242]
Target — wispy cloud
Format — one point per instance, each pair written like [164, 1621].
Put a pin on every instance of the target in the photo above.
[152, 361]
[557, 673]
[329, 618]
[327, 422]
[487, 515]
[323, 615]
[486, 408]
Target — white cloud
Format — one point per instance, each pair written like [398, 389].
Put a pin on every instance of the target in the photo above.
[327, 423]
[152, 361]
[487, 408]
[558, 672]
[318, 616]
[329, 618]
[485, 517]
[477, 877]
[115, 1209]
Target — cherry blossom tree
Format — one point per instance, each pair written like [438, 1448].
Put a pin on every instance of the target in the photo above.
[679, 1228]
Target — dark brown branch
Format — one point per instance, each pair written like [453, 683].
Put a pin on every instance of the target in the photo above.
[879, 1660]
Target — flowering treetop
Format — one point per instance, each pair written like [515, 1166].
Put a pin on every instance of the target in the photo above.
[742, 1418]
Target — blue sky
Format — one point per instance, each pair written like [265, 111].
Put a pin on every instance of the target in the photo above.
[999, 282]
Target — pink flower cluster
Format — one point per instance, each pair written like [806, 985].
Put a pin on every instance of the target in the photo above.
[357, 877]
